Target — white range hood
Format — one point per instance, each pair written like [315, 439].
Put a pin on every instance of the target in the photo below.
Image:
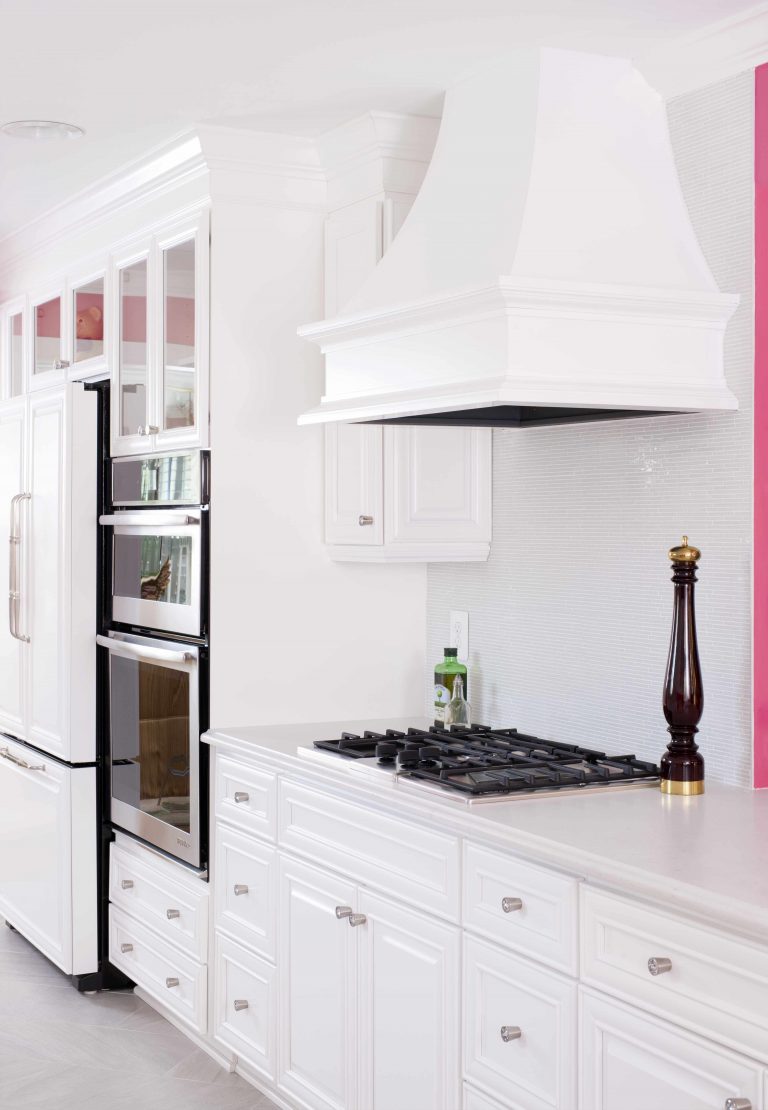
[548, 270]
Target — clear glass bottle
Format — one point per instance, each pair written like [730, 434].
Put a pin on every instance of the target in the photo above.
[457, 711]
[445, 673]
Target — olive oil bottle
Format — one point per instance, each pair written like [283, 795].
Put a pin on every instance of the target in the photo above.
[445, 673]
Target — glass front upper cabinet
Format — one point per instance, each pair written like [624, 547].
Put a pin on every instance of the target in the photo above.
[132, 348]
[88, 320]
[14, 353]
[179, 354]
[47, 346]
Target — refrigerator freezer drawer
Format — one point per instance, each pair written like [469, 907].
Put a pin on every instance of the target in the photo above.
[48, 857]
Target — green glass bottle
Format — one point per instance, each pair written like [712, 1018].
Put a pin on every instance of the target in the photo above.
[445, 673]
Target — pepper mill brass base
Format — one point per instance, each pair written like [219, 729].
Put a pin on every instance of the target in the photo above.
[682, 766]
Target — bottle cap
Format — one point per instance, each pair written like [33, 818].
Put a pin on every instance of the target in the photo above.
[684, 553]
[450, 652]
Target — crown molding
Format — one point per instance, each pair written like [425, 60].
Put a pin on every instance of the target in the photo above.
[718, 51]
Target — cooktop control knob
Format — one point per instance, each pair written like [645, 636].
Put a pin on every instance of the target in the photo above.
[386, 751]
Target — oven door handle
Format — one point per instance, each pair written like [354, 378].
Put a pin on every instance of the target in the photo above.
[150, 519]
[150, 654]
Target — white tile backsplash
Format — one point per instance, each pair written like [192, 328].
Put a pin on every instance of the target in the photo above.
[570, 618]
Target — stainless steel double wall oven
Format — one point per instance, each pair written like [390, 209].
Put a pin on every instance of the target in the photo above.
[155, 554]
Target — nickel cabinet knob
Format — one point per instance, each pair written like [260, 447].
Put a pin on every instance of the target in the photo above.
[738, 1104]
[126, 948]
[171, 982]
[241, 888]
[241, 1004]
[127, 884]
[511, 1033]
[343, 911]
[658, 965]
[172, 914]
[241, 796]
[364, 521]
[357, 919]
[509, 905]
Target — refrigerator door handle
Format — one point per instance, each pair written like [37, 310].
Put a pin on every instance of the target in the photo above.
[6, 754]
[150, 654]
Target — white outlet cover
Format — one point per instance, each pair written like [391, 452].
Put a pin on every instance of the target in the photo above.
[458, 632]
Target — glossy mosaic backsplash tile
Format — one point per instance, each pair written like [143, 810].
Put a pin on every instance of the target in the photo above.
[570, 618]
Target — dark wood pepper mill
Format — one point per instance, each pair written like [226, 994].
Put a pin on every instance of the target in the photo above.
[682, 767]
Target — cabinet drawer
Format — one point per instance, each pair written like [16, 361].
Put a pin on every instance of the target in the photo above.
[413, 863]
[545, 926]
[717, 985]
[244, 1012]
[146, 888]
[630, 1061]
[245, 890]
[245, 796]
[174, 979]
[520, 1034]
[476, 1100]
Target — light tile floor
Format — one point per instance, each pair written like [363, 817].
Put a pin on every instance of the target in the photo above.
[61, 1050]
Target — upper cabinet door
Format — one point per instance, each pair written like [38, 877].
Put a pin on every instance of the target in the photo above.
[48, 334]
[132, 351]
[13, 349]
[88, 326]
[438, 486]
[182, 381]
[160, 346]
[354, 484]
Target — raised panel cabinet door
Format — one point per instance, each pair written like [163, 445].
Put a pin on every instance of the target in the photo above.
[409, 999]
[318, 1038]
[36, 888]
[631, 1061]
[12, 427]
[353, 485]
[437, 485]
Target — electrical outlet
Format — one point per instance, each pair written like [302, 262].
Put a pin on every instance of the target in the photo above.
[458, 633]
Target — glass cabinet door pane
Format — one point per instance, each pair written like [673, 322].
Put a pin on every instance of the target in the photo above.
[179, 336]
[133, 347]
[47, 335]
[16, 355]
[88, 328]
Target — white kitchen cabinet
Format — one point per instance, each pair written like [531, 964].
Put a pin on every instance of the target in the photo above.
[48, 337]
[89, 322]
[631, 1061]
[370, 997]
[14, 322]
[159, 345]
[318, 1041]
[409, 1008]
[48, 491]
[48, 888]
[245, 1006]
[397, 494]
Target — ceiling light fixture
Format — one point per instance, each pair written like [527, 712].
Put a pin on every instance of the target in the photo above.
[41, 130]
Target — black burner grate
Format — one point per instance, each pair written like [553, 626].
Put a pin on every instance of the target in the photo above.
[478, 760]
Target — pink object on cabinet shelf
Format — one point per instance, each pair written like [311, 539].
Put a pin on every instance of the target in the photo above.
[760, 664]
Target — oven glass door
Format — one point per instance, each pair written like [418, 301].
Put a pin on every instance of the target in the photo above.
[156, 558]
[154, 741]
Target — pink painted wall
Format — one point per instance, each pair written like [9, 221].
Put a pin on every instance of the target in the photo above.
[761, 431]
[180, 317]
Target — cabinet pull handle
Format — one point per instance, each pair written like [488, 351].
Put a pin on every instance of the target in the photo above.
[241, 1004]
[509, 905]
[511, 1033]
[357, 919]
[241, 796]
[364, 521]
[5, 754]
[658, 965]
[148, 429]
[126, 948]
[171, 982]
[241, 888]
[343, 911]
[126, 884]
[14, 591]
[738, 1104]
[60, 363]
[172, 914]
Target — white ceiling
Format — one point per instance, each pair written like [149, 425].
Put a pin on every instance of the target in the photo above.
[136, 73]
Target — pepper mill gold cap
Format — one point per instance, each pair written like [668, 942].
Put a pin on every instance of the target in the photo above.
[684, 553]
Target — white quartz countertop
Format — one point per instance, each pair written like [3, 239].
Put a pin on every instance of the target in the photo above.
[707, 854]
